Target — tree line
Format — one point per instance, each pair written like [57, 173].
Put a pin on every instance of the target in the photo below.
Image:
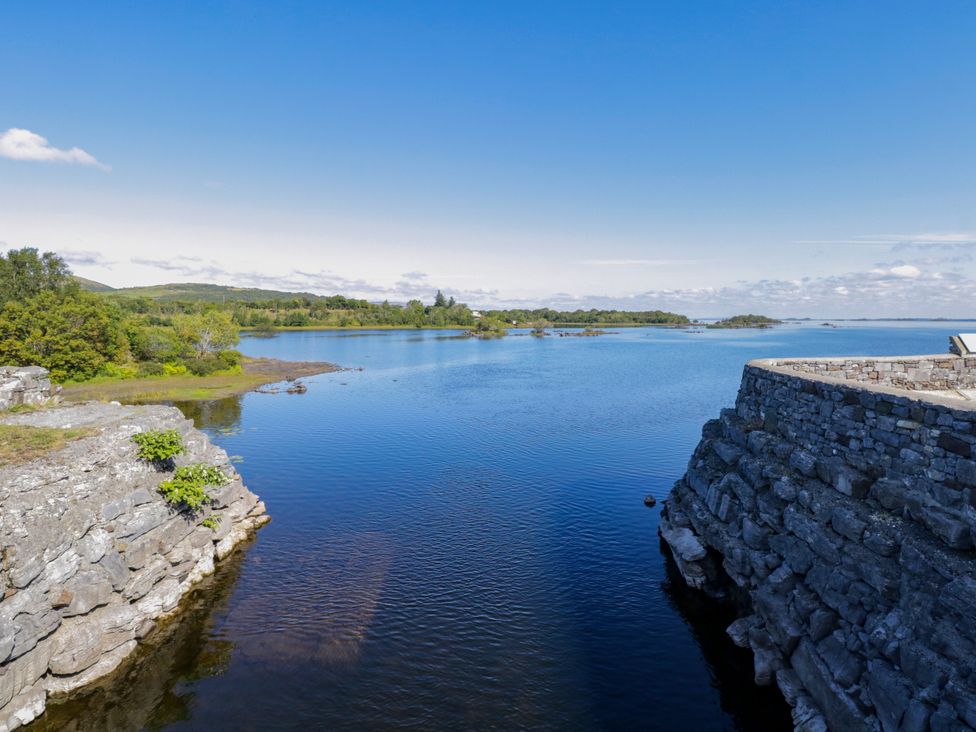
[48, 320]
[589, 317]
[335, 311]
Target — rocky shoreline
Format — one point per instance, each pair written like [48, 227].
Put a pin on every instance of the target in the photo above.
[93, 556]
[835, 505]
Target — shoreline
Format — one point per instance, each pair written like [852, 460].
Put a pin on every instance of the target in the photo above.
[527, 326]
[256, 372]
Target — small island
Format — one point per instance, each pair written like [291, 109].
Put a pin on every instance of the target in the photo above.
[745, 321]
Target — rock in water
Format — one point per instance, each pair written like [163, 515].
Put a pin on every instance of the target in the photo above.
[92, 553]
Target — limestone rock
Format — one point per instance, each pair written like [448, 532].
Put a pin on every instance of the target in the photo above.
[92, 554]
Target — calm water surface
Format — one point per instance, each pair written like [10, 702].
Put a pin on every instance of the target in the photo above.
[459, 541]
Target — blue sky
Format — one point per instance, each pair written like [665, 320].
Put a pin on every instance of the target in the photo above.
[792, 158]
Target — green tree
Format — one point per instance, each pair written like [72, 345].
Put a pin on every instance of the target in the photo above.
[207, 333]
[73, 336]
[153, 342]
[24, 274]
[439, 300]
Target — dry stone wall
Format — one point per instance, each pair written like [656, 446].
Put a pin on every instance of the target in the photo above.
[92, 556]
[841, 516]
[922, 373]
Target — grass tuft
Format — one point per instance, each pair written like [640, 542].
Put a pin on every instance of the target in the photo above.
[23, 443]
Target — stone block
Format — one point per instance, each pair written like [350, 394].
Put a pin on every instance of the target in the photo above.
[839, 709]
[955, 445]
[891, 493]
[804, 462]
[728, 452]
[889, 693]
[846, 523]
[845, 667]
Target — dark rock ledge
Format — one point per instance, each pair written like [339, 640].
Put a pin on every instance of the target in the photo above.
[840, 502]
[92, 556]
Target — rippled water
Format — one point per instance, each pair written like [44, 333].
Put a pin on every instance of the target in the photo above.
[459, 541]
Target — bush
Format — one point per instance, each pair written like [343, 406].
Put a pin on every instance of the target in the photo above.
[173, 369]
[212, 523]
[188, 486]
[151, 368]
[119, 371]
[204, 366]
[230, 359]
[158, 446]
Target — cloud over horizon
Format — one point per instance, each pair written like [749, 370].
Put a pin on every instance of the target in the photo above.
[21, 144]
[894, 289]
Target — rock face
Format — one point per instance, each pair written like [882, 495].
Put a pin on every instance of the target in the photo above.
[28, 385]
[92, 556]
[842, 513]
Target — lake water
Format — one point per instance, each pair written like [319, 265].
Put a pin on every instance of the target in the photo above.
[460, 542]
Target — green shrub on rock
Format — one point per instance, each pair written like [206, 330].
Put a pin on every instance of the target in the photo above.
[188, 486]
[158, 446]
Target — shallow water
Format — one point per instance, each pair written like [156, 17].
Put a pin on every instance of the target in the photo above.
[460, 542]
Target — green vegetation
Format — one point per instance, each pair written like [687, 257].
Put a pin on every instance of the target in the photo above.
[263, 311]
[488, 328]
[48, 320]
[23, 443]
[158, 446]
[156, 342]
[187, 489]
[589, 317]
[745, 321]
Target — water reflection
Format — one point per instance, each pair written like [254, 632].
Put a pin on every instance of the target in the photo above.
[221, 415]
[154, 687]
[730, 667]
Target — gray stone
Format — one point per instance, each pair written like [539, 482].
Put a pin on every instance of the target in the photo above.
[89, 588]
[845, 667]
[728, 452]
[849, 525]
[70, 609]
[804, 462]
[838, 708]
[115, 568]
[966, 472]
[845, 523]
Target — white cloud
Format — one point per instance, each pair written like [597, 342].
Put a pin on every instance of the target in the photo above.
[85, 258]
[323, 282]
[20, 144]
[905, 270]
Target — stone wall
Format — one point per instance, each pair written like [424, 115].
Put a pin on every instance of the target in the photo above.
[841, 515]
[923, 373]
[92, 556]
[28, 385]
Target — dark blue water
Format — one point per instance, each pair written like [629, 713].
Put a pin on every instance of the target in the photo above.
[460, 542]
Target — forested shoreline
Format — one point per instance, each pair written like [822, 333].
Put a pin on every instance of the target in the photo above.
[80, 330]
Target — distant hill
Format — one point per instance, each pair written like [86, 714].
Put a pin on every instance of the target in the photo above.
[91, 285]
[202, 292]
